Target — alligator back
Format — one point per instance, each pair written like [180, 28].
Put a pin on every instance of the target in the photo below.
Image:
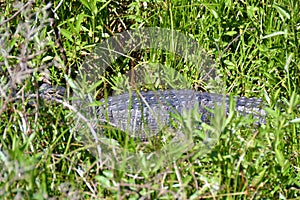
[144, 114]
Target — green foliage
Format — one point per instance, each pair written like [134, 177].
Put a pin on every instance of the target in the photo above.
[255, 45]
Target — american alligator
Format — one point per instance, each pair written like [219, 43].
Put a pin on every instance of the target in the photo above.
[147, 112]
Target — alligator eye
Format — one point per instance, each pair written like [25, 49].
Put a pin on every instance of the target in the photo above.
[50, 92]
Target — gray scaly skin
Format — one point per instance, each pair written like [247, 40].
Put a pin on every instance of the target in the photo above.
[146, 113]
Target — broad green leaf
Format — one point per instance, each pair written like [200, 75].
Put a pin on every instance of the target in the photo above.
[212, 9]
[279, 156]
[71, 83]
[258, 179]
[282, 12]
[108, 174]
[231, 33]
[86, 4]
[79, 20]
[104, 182]
[67, 34]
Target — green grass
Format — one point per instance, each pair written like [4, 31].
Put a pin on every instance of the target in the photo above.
[255, 45]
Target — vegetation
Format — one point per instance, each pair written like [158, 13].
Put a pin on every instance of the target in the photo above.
[255, 47]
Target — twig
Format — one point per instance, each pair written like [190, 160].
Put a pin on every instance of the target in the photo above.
[57, 33]
[18, 12]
